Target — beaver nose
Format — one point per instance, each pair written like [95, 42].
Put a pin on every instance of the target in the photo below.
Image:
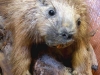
[67, 36]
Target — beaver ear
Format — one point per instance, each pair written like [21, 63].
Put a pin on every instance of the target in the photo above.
[43, 2]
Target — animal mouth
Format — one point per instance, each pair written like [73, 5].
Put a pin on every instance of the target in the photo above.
[60, 46]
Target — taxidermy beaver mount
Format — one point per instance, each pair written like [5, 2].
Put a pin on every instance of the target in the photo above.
[58, 28]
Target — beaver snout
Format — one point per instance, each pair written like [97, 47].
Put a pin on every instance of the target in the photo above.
[58, 37]
[66, 35]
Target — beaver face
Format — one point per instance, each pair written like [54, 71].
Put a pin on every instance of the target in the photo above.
[59, 22]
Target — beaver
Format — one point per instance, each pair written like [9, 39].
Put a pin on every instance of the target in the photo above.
[58, 28]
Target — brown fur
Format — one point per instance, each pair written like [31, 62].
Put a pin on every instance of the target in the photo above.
[23, 24]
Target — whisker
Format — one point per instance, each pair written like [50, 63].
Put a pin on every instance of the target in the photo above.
[52, 5]
[17, 2]
[55, 10]
[47, 18]
[1, 2]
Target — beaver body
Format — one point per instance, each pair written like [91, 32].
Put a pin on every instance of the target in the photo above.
[54, 27]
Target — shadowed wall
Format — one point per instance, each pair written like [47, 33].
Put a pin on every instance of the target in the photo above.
[95, 22]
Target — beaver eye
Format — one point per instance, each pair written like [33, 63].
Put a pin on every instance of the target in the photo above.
[51, 12]
[79, 22]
